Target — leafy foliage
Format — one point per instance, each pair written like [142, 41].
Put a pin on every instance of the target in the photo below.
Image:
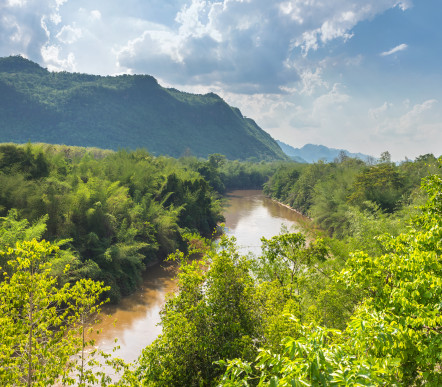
[404, 287]
[112, 212]
[212, 316]
[337, 195]
[393, 337]
[39, 319]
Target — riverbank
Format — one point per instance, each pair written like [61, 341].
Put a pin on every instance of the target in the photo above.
[249, 216]
[290, 208]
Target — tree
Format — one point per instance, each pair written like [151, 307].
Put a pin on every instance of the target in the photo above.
[287, 259]
[395, 335]
[212, 316]
[381, 184]
[385, 158]
[37, 317]
[314, 358]
[404, 288]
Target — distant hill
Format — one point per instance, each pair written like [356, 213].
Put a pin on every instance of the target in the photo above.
[291, 152]
[310, 153]
[127, 111]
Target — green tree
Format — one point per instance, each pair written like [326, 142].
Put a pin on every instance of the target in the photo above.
[37, 317]
[287, 259]
[313, 358]
[381, 184]
[395, 335]
[212, 316]
[404, 288]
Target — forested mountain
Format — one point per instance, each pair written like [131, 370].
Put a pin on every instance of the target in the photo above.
[311, 153]
[127, 111]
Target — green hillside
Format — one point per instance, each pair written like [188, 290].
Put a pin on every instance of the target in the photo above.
[127, 111]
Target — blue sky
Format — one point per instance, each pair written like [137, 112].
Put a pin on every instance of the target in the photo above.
[363, 75]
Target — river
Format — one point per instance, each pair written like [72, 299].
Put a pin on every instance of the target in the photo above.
[249, 216]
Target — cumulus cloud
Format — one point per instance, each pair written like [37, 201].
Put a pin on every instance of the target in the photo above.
[251, 46]
[69, 34]
[51, 55]
[405, 120]
[25, 26]
[400, 47]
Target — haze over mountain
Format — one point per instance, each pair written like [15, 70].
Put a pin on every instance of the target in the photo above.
[311, 153]
[127, 111]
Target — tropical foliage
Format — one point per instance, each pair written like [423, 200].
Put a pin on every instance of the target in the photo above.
[336, 195]
[394, 335]
[113, 212]
[361, 310]
[43, 323]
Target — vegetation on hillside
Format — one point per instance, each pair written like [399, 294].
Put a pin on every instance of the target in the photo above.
[127, 111]
[306, 311]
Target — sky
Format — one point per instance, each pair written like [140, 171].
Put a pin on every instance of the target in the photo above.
[361, 75]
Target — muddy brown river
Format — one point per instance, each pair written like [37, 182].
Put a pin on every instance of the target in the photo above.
[134, 321]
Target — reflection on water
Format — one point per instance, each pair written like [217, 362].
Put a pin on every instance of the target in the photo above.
[249, 216]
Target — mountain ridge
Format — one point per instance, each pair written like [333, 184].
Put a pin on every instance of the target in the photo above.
[125, 111]
[311, 153]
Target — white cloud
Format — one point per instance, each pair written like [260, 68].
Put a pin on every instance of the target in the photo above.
[51, 56]
[25, 26]
[95, 14]
[334, 99]
[245, 45]
[404, 4]
[190, 19]
[17, 36]
[410, 123]
[326, 21]
[160, 46]
[69, 34]
[311, 81]
[376, 113]
[16, 3]
[411, 120]
[409, 130]
[400, 47]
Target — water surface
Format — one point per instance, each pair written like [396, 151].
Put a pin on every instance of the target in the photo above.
[249, 216]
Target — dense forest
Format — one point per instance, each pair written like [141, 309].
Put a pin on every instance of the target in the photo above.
[354, 301]
[358, 303]
[127, 111]
[337, 194]
[112, 212]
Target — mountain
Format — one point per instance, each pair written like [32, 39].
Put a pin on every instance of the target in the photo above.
[126, 111]
[310, 153]
[291, 152]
